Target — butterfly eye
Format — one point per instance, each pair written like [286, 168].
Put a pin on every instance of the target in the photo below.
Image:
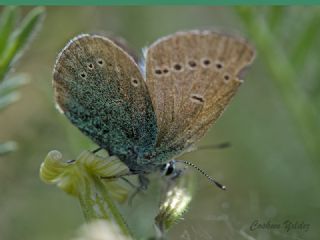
[168, 168]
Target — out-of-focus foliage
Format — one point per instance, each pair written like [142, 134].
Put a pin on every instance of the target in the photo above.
[289, 66]
[14, 36]
[271, 172]
[100, 230]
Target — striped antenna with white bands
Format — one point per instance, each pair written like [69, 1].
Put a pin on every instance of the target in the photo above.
[219, 185]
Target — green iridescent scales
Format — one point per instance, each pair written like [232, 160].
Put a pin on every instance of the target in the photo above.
[106, 102]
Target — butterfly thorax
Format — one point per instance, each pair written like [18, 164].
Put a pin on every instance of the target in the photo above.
[140, 160]
[143, 160]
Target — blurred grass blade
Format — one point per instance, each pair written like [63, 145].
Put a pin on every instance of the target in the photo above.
[276, 14]
[20, 38]
[13, 83]
[305, 40]
[284, 75]
[8, 99]
[7, 23]
[7, 147]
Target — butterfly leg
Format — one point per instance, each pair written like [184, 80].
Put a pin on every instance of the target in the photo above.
[94, 151]
[97, 150]
[129, 182]
[143, 185]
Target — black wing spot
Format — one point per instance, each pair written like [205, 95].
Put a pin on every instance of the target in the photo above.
[177, 67]
[83, 75]
[158, 72]
[100, 62]
[90, 66]
[197, 98]
[135, 82]
[165, 70]
[226, 77]
[192, 64]
[219, 65]
[206, 62]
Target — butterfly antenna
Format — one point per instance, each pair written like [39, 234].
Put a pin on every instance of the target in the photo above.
[219, 185]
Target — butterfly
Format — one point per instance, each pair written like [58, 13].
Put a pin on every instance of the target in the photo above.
[149, 114]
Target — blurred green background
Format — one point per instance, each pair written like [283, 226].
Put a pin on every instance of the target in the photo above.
[271, 171]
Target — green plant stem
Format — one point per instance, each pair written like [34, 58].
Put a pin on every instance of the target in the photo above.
[284, 76]
[97, 204]
[306, 40]
[275, 16]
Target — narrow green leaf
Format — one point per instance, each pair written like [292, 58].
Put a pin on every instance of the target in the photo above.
[246, 14]
[305, 40]
[20, 38]
[8, 99]
[275, 16]
[7, 24]
[7, 147]
[13, 83]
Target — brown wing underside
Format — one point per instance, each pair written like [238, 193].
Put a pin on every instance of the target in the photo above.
[191, 78]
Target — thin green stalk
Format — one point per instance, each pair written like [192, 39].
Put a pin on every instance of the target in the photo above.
[275, 16]
[96, 203]
[302, 109]
[305, 40]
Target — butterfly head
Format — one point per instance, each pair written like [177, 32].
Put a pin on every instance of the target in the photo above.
[169, 169]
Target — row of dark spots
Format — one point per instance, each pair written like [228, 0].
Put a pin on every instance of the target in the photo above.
[191, 64]
[91, 66]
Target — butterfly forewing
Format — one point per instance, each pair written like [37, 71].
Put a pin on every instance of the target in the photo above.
[100, 88]
[191, 77]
